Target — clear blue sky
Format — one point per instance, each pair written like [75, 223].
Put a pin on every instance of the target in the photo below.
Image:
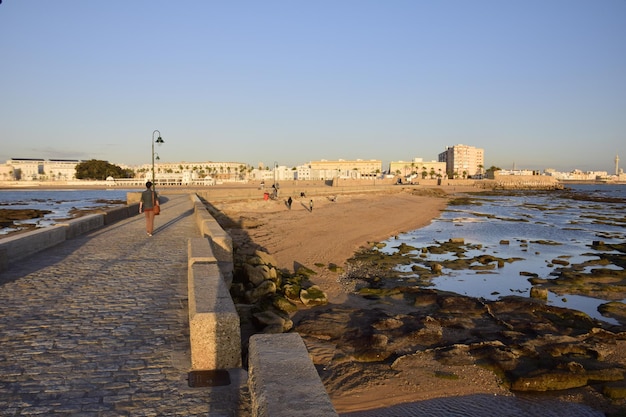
[536, 83]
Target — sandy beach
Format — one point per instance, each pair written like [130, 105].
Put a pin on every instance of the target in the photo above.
[333, 230]
[330, 234]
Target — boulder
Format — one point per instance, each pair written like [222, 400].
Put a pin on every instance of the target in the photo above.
[313, 296]
[257, 273]
[273, 321]
[615, 391]
[292, 291]
[265, 288]
[550, 381]
[284, 304]
[540, 293]
[265, 258]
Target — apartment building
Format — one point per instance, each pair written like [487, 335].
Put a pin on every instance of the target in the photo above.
[418, 168]
[342, 168]
[463, 161]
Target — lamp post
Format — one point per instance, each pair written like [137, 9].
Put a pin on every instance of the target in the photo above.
[159, 141]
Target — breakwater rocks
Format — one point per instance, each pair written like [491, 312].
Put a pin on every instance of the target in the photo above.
[9, 217]
[266, 296]
[525, 344]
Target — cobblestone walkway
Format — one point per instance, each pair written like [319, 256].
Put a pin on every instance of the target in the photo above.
[98, 326]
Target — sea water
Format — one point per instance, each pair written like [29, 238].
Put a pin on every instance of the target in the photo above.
[539, 227]
[61, 203]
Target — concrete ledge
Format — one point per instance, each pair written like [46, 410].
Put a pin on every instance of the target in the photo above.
[199, 250]
[221, 241]
[19, 246]
[120, 213]
[282, 379]
[80, 225]
[14, 248]
[214, 330]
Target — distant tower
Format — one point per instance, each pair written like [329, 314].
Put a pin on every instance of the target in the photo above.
[616, 164]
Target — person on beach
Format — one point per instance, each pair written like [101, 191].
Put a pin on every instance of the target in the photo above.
[149, 199]
[289, 201]
[311, 206]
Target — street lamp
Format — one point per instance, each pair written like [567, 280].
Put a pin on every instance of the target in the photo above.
[159, 141]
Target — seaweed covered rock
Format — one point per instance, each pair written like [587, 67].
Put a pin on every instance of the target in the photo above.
[272, 294]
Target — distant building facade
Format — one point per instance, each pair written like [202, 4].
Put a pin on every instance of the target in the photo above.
[417, 169]
[34, 169]
[341, 168]
[463, 161]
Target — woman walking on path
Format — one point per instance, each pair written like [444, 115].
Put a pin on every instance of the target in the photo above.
[149, 199]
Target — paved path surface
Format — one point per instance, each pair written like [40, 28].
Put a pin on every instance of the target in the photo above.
[98, 326]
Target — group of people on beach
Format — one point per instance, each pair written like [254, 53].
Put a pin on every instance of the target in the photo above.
[289, 202]
[149, 205]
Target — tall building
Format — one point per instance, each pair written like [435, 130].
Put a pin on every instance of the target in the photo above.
[463, 161]
[417, 168]
[341, 168]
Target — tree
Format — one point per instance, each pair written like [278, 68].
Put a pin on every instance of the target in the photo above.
[98, 170]
[491, 170]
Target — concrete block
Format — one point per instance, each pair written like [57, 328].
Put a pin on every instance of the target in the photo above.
[221, 239]
[221, 242]
[214, 329]
[17, 247]
[84, 224]
[282, 379]
[199, 250]
[120, 213]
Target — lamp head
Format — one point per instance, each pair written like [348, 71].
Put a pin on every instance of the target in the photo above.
[159, 140]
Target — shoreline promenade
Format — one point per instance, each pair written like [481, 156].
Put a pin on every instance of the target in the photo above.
[98, 326]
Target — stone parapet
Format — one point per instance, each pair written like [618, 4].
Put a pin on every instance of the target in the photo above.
[214, 329]
[120, 213]
[80, 225]
[14, 248]
[282, 379]
[199, 250]
[221, 241]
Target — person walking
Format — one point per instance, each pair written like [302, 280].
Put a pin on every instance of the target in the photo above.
[149, 199]
[311, 205]
[289, 201]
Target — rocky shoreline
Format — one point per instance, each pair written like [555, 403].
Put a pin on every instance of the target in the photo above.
[16, 220]
[397, 341]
